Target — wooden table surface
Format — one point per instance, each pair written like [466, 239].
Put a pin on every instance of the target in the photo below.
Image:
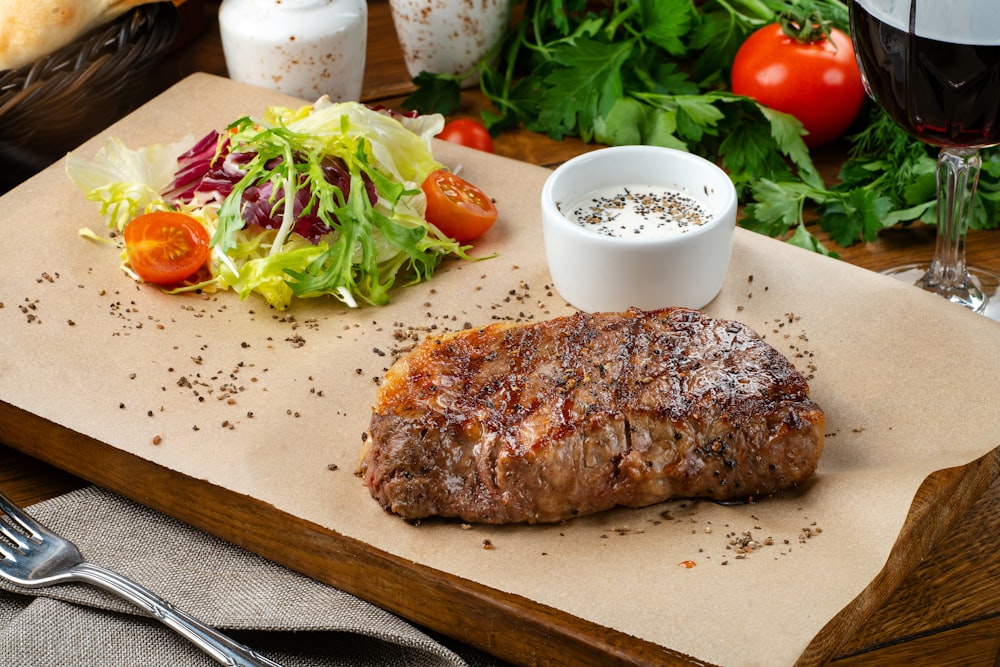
[947, 612]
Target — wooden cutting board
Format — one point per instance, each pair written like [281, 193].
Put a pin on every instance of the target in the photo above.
[247, 422]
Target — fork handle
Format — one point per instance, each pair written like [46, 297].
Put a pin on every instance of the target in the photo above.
[223, 649]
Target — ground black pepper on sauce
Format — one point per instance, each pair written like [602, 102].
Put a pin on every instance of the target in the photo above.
[637, 211]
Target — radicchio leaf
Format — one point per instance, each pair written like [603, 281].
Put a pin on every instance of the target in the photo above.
[209, 171]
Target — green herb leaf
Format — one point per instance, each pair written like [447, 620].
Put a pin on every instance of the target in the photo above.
[435, 93]
[803, 238]
[857, 215]
[585, 87]
[667, 23]
[623, 123]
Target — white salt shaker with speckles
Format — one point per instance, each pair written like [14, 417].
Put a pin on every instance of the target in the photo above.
[448, 36]
[304, 48]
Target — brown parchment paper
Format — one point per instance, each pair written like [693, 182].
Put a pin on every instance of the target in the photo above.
[262, 402]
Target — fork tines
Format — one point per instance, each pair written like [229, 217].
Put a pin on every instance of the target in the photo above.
[18, 529]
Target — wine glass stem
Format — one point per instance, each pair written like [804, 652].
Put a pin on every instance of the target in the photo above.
[957, 177]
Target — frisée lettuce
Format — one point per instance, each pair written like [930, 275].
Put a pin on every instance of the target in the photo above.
[322, 200]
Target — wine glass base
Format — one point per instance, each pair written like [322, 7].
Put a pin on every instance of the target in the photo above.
[983, 298]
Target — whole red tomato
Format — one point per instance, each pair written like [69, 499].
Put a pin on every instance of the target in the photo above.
[467, 132]
[817, 80]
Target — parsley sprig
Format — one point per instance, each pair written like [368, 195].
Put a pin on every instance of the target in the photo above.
[644, 72]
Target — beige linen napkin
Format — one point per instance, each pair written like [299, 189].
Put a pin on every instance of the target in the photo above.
[289, 617]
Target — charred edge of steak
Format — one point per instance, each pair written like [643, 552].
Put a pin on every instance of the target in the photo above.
[543, 422]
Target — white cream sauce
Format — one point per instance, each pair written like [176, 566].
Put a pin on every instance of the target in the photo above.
[636, 211]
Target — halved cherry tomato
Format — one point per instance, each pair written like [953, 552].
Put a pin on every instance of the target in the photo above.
[469, 133]
[165, 247]
[456, 207]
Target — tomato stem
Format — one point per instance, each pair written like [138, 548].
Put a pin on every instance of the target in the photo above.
[808, 30]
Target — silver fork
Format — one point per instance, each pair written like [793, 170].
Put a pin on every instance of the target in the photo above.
[33, 557]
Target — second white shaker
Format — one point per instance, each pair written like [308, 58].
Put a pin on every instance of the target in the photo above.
[303, 48]
[448, 36]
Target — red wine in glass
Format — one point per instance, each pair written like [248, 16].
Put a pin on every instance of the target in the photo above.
[934, 67]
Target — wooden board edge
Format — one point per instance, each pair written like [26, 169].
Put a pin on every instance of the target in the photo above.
[973, 644]
[944, 497]
[505, 625]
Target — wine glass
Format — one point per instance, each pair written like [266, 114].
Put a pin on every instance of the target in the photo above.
[934, 67]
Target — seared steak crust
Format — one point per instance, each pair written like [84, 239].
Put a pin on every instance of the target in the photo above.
[543, 422]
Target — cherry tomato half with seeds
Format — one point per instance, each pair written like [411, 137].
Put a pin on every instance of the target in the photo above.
[817, 81]
[469, 133]
[456, 207]
[165, 247]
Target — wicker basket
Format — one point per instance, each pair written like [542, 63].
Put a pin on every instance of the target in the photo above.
[54, 104]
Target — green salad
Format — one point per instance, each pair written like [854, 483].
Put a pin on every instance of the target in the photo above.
[322, 200]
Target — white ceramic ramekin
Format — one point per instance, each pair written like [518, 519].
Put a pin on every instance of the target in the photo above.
[594, 272]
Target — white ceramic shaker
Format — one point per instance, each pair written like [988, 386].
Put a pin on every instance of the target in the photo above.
[303, 48]
[448, 36]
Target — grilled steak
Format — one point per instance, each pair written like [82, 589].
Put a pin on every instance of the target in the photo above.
[543, 422]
